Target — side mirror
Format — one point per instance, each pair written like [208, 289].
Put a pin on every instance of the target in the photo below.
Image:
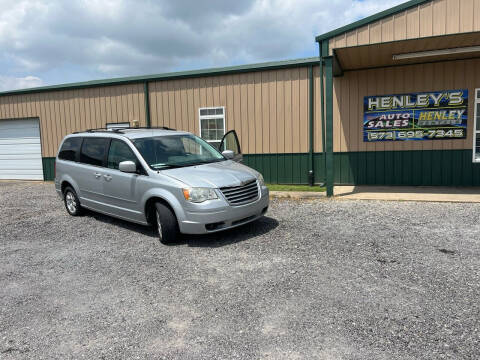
[229, 154]
[127, 167]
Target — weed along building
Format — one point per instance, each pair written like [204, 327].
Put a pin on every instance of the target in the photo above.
[392, 99]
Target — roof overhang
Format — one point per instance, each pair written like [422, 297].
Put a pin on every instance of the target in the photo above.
[405, 52]
[396, 9]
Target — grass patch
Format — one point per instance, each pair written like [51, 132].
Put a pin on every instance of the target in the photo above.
[277, 187]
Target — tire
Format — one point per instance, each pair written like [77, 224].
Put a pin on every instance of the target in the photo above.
[72, 204]
[166, 223]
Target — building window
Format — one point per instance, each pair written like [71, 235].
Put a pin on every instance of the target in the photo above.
[212, 124]
[476, 133]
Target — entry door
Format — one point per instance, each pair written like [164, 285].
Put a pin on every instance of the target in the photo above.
[121, 190]
[20, 150]
[90, 171]
[230, 142]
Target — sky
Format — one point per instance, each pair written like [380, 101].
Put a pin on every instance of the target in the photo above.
[63, 41]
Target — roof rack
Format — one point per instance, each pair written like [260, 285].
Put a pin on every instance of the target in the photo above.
[150, 128]
[121, 130]
[115, 130]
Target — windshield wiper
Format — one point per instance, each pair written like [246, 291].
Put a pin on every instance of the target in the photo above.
[168, 166]
[208, 161]
[174, 166]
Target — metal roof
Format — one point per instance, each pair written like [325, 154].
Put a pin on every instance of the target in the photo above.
[172, 75]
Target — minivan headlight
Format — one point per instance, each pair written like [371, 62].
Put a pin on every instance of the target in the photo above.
[261, 181]
[199, 195]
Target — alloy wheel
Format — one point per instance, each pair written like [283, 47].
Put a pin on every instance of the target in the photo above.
[159, 224]
[71, 202]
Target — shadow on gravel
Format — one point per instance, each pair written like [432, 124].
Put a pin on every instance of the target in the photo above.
[223, 238]
[257, 228]
[141, 229]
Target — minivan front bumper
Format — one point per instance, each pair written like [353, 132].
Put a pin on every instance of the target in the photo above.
[225, 217]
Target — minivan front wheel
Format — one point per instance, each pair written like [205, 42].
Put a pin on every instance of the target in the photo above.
[72, 204]
[167, 225]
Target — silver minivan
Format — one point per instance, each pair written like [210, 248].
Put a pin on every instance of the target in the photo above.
[171, 179]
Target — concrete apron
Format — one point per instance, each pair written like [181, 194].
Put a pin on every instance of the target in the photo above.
[389, 193]
[409, 193]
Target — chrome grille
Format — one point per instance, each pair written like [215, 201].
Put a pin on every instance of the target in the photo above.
[240, 195]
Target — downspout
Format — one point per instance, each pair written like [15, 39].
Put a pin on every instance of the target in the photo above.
[322, 109]
[147, 104]
[311, 174]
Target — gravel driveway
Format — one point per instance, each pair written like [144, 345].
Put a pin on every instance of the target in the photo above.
[312, 280]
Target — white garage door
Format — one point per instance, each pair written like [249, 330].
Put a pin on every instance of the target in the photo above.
[20, 151]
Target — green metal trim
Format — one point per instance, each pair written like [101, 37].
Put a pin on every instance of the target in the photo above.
[311, 124]
[329, 171]
[325, 48]
[173, 75]
[147, 104]
[370, 19]
[407, 168]
[48, 164]
[388, 168]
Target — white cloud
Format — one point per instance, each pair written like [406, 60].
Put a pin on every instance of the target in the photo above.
[126, 37]
[13, 83]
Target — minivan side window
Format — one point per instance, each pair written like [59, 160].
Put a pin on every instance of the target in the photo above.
[93, 150]
[70, 148]
[120, 151]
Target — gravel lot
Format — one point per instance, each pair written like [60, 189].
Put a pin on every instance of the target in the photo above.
[312, 280]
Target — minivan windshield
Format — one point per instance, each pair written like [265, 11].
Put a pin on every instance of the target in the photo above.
[171, 151]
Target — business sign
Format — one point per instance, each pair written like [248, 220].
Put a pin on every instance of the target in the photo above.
[417, 116]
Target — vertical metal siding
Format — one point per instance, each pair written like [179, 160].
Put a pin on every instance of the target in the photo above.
[438, 17]
[350, 90]
[63, 112]
[268, 109]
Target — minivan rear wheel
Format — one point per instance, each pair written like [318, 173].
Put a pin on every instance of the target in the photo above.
[72, 204]
[166, 223]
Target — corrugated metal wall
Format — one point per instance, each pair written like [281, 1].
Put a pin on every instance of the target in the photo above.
[63, 112]
[438, 17]
[350, 90]
[268, 109]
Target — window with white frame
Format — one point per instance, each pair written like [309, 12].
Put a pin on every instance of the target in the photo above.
[212, 124]
[476, 133]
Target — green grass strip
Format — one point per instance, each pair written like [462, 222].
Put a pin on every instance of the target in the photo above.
[277, 187]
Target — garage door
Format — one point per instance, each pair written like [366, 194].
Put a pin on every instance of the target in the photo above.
[20, 151]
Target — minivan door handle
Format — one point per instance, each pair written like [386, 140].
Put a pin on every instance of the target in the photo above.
[97, 175]
[107, 177]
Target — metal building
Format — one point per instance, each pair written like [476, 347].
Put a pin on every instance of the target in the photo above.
[419, 50]
[399, 92]
[270, 105]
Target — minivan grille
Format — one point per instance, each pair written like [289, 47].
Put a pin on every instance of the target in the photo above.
[240, 195]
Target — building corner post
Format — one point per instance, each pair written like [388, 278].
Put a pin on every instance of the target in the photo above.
[311, 172]
[147, 104]
[329, 124]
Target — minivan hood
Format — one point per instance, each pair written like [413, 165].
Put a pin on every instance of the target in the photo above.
[216, 175]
